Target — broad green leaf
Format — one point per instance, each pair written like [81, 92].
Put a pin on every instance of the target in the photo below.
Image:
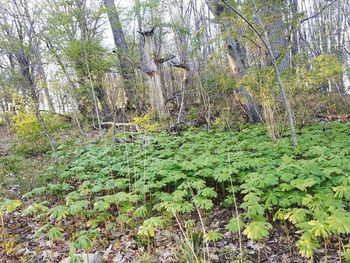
[54, 233]
[257, 230]
[214, 235]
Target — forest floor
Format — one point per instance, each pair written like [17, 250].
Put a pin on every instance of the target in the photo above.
[89, 171]
[23, 246]
[5, 141]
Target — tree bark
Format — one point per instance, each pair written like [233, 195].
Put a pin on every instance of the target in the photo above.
[127, 70]
[238, 61]
[277, 32]
[294, 37]
[29, 84]
[185, 82]
[41, 74]
[44, 85]
[278, 77]
[153, 73]
[236, 52]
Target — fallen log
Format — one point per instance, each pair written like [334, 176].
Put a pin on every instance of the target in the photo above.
[116, 124]
[332, 118]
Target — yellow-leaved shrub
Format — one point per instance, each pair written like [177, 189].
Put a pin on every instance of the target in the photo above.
[147, 123]
[29, 136]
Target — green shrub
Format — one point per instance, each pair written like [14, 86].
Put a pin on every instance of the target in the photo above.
[20, 171]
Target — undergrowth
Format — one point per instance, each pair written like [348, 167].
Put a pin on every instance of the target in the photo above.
[160, 178]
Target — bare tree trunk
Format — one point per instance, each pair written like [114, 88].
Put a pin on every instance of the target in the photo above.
[41, 71]
[277, 32]
[141, 41]
[5, 115]
[70, 81]
[295, 40]
[35, 47]
[236, 52]
[42, 75]
[127, 70]
[153, 73]
[28, 83]
[278, 77]
[238, 61]
[94, 97]
[185, 82]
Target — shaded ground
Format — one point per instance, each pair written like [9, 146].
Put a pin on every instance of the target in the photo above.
[21, 245]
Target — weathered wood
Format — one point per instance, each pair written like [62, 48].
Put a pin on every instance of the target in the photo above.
[116, 124]
[127, 70]
[332, 118]
[153, 72]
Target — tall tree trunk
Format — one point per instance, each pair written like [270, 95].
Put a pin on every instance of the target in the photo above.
[141, 39]
[29, 84]
[278, 77]
[185, 82]
[35, 47]
[277, 32]
[5, 115]
[295, 27]
[127, 70]
[153, 73]
[70, 81]
[41, 73]
[45, 87]
[237, 57]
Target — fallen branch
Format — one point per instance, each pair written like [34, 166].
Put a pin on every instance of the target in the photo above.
[69, 118]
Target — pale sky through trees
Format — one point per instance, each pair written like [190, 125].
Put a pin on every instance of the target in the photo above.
[306, 6]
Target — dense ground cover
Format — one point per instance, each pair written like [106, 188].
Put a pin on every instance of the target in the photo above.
[204, 186]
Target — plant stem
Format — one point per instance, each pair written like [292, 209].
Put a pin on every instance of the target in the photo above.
[325, 251]
[2, 224]
[203, 228]
[339, 253]
[51, 252]
[186, 238]
[237, 214]
[288, 237]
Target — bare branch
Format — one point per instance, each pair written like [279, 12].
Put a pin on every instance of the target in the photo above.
[182, 65]
[318, 13]
[165, 59]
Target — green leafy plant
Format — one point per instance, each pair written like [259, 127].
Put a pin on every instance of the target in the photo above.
[307, 246]
[148, 184]
[7, 206]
